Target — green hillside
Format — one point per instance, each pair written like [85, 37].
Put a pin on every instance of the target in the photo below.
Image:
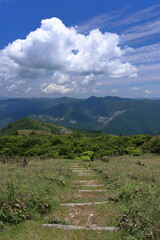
[26, 124]
[112, 115]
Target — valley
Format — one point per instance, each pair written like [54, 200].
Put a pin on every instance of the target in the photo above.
[112, 115]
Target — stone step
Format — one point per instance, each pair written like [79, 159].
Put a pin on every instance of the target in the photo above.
[70, 227]
[78, 168]
[82, 171]
[93, 190]
[82, 204]
[100, 185]
[83, 181]
[86, 174]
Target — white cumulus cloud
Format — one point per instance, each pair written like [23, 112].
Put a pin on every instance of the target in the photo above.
[55, 47]
[8, 68]
[63, 52]
[60, 77]
[53, 87]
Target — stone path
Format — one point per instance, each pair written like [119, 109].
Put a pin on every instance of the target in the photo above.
[85, 173]
[82, 204]
[79, 227]
[93, 190]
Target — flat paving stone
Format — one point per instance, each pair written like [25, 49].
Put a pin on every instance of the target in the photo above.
[82, 204]
[70, 227]
[78, 168]
[83, 175]
[82, 171]
[92, 190]
[83, 181]
[90, 185]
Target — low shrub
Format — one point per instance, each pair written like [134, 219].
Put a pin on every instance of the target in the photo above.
[133, 151]
[85, 158]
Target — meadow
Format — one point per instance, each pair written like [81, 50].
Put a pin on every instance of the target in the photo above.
[35, 178]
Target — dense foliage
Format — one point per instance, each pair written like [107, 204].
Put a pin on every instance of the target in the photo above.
[76, 145]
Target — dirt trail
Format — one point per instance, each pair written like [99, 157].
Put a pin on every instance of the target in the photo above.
[84, 214]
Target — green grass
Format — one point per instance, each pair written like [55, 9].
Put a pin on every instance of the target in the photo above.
[135, 186]
[133, 190]
[34, 230]
[29, 192]
[21, 126]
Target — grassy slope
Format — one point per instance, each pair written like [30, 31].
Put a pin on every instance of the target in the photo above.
[34, 230]
[131, 182]
[29, 124]
[135, 182]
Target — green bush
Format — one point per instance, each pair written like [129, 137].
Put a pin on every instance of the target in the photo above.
[69, 146]
[85, 158]
[133, 151]
[155, 145]
[89, 154]
[7, 152]
[34, 151]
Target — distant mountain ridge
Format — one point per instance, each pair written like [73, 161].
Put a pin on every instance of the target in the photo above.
[112, 115]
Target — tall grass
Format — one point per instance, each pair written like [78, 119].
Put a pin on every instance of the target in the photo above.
[135, 182]
[27, 192]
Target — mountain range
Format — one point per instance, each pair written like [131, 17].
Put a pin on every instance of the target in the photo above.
[111, 115]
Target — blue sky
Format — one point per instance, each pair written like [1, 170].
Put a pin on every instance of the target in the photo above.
[79, 48]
